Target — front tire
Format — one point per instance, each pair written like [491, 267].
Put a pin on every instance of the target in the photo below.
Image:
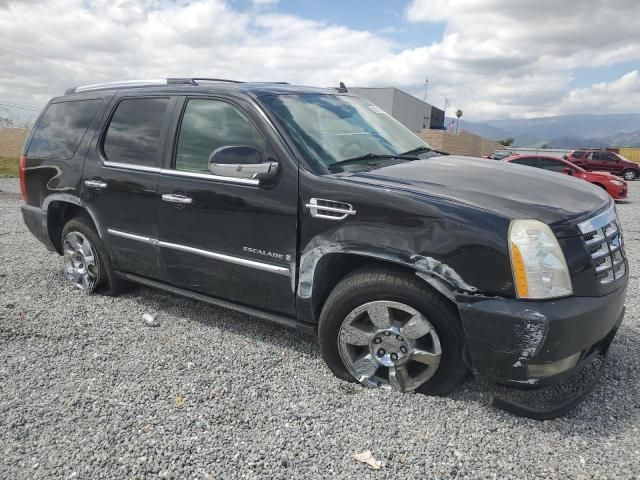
[387, 329]
[629, 175]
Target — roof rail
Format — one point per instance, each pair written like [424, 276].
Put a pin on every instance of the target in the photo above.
[145, 83]
[203, 79]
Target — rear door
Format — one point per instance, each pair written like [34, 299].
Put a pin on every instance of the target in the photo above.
[121, 180]
[230, 238]
[612, 162]
[597, 162]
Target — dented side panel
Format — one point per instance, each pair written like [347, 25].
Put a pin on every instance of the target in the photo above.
[460, 246]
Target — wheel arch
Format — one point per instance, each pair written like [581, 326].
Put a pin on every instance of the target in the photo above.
[60, 209]
[321, 271]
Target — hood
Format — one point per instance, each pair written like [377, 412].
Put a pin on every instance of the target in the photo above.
[506, 189]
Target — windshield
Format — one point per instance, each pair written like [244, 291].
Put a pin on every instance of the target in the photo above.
[331, 128]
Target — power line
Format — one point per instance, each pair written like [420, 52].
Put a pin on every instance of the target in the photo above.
[21, 107]
[51, 61]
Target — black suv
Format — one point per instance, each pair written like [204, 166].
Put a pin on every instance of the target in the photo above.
[315, 209]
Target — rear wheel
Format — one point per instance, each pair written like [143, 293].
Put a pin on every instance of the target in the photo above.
[629, 175]
[86, 262]
[388, 330]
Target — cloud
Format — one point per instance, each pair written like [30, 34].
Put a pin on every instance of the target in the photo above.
[497, 58]
[621, 95]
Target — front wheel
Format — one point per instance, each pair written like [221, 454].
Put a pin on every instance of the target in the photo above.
[387, 329]
[629, 175]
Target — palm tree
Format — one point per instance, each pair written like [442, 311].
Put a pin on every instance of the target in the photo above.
[458, 115]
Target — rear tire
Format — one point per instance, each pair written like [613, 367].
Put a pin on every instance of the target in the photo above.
[398, 354]
[87, 263]
[629, 175]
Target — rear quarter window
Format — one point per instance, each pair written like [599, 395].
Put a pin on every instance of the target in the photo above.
[61, 128]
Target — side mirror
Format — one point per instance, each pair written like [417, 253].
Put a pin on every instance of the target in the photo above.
[568, 171]
[238, 161]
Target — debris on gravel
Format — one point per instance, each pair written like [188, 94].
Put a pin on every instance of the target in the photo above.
[150, 320]
[87, 390]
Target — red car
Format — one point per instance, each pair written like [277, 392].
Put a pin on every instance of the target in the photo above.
[615, 186]
[603, 161]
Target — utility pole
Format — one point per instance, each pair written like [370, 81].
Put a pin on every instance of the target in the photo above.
[426, 88]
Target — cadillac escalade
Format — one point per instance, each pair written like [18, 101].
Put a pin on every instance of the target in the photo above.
[315, 209]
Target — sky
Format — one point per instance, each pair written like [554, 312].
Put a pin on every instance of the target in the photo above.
[491, 58]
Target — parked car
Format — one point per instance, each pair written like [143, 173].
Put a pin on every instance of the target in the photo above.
[615, 186]
[316, 210]
[601, 160]
[498, 154]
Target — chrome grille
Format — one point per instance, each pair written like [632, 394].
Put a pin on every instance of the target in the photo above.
[602, 237]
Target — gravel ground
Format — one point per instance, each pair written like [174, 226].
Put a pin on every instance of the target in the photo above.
[87, 390]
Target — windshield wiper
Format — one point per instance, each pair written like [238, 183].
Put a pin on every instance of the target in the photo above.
[423, 149]
[371, 156]
[420, 149]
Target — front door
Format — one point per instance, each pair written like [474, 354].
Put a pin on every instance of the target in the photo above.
[120, 181]
[230, 238]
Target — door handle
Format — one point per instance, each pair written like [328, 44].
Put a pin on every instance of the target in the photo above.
[95, 183]
[174, 198]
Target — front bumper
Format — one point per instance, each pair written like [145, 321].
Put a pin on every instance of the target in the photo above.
[36, 221]
[504, 337]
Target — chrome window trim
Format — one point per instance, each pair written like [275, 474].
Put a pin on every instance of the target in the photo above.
[131, 166]
[267, 267]
[598, 221]
[208, 176]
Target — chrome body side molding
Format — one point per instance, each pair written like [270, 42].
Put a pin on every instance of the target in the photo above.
[267, 267]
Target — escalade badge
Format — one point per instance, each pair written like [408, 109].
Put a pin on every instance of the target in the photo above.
[265, 253]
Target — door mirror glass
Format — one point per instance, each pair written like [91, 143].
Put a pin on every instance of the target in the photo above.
[568, 171]
[239, 161]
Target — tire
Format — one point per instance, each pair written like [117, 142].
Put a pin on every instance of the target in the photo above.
[99, 275]
[629, 175]
[407, 298]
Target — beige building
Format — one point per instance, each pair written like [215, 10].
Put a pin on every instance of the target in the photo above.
[460, 143]
[11, 141]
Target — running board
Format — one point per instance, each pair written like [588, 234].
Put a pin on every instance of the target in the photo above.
[238, 307]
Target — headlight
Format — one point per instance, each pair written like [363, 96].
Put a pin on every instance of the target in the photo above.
[538, 264]
[617, 183]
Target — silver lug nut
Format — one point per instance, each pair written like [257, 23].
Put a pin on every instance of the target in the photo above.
[381, 352]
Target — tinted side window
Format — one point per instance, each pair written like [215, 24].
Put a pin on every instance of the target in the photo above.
[134, 133]
[609, 157]
[530, 162]
[553, 165]
[596, 156]
[579, 154]
[61, 129]
[210, 124]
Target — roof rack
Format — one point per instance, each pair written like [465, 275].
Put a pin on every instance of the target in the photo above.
[145, 83]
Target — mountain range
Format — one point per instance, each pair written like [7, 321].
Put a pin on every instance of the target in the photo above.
[563, 131]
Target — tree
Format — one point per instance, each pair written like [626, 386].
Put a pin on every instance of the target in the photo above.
[508, 142]
[458, 115]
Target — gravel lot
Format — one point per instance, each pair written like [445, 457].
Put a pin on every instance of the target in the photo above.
[87, 390]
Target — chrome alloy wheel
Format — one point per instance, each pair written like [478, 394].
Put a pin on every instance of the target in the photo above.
[389, 345]
[629, 175]
[80, 261]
